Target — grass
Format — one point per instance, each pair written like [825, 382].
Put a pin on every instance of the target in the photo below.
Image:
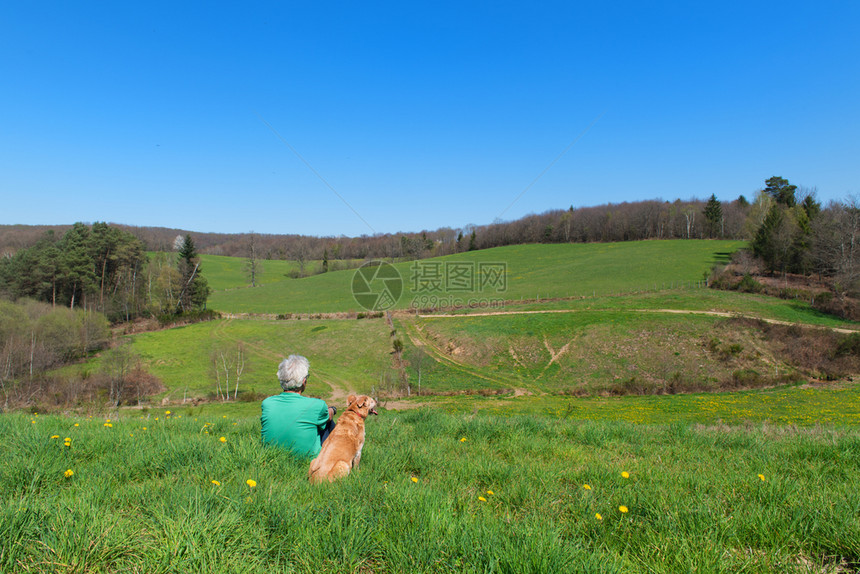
[345, 354]
[532, 271]
[225, 273]
[144, 501]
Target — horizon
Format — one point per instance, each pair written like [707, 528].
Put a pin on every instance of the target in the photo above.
[354, 120]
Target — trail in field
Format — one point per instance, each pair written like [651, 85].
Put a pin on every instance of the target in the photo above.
[674, 311]
[553, 354]
[416, 335]
[339, 389]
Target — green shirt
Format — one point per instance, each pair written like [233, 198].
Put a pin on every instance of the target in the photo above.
[292, 421]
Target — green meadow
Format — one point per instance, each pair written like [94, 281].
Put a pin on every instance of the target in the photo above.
[194, 491]
[582, 427]
[530, 272]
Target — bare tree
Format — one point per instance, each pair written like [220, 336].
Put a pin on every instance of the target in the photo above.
[117, 366]
[253, 265]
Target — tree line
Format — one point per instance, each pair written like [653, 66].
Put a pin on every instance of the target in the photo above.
[106, 269]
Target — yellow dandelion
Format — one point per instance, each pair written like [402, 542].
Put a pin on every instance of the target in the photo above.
[216, 483]
[414, 479]
[109, 425]
[156, 418]
[69, 473]
[77, 424]
[167, 412]
[107, 420]
[34, 422]
[490, 492]
[598, 517]
[67, 439]
[623, 509]
[625, 474]
[761, 476]
[463, 439]
[223, 439]
[225, 416]
[144, 428]
[55, 436]
[251, 482]
[482, 499]
[586, 486]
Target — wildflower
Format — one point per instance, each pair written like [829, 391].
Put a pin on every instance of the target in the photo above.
[34, 422]
[625, 474]
[156, 418]
[586, 486]
[216, 483]
[761, 476]
[69, 473]
[55, 436]
[107, 421]
[414, 479]
[144, 428]
[463, 439]
[251, 482]
[482, 499]
[67, 439]
[223, 439]
[109, 425]
[490, 492]
[77, 424]
[623, 509]
[597, 516]
[167, 412]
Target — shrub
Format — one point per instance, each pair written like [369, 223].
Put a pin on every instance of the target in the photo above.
[749, 285]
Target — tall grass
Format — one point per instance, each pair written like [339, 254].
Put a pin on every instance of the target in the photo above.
[435, 492]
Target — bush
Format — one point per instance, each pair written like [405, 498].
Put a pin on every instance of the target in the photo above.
[749, 285]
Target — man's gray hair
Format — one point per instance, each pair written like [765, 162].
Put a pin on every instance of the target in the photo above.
[293, 371]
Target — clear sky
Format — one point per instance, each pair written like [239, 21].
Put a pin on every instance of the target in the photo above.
[418, 115]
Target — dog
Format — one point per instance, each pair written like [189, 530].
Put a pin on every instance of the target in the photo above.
[341, 451]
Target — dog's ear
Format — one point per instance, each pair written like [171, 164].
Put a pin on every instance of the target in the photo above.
[350, 399]
[363, 401]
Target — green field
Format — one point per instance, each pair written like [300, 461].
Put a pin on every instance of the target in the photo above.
[157, 493]
[486, 469]
[531, 271]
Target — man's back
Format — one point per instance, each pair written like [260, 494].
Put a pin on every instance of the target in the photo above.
[292, 421]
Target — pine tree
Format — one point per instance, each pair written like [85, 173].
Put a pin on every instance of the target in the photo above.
[714, 217]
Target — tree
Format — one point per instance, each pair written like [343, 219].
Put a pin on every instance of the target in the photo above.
[714, 217]
[117, 366]
[781, 191]
[195, 289]
[253, 266]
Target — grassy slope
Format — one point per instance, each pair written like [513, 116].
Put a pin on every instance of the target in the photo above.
[754, 500]
[532, 270]
[345, 354]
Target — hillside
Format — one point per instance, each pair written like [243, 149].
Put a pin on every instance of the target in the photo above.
[613, 319]
[530, 271]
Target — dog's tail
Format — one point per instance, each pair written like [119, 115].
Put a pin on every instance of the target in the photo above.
[318, 474]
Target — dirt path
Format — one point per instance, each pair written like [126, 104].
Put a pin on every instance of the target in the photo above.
[672, 311]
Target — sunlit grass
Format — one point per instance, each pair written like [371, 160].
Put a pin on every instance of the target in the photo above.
[510, 498]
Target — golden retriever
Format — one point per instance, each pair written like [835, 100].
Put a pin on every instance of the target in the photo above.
[342, 449]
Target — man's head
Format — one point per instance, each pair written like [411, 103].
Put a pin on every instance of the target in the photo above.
[293, 372]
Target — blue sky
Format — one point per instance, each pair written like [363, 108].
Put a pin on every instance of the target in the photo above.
[418, 115]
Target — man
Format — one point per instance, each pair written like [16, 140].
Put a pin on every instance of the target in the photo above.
[292, 421]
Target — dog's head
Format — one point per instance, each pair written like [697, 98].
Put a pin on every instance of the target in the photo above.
[363, 404]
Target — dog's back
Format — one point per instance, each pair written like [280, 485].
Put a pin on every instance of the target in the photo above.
[342, 449]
